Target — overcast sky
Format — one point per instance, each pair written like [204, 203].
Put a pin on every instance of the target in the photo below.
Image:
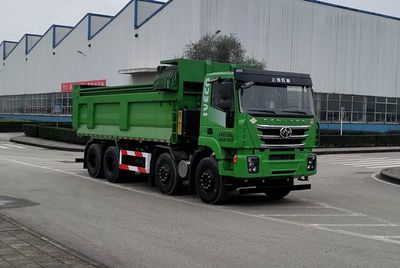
[18, 17]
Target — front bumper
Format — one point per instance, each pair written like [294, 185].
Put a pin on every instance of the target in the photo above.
[271, 164]
[263, 189]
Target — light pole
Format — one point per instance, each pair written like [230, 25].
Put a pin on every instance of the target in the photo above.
[341, 120]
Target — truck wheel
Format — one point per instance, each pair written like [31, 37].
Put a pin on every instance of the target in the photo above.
[93, 161]
[166, 175]
[209, 184]
[275, 195]
[111, 165]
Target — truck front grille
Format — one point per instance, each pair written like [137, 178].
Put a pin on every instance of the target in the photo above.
[282, 137]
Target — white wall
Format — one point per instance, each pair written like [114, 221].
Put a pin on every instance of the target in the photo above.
[1, 60]
[345, 51]
[16, 62]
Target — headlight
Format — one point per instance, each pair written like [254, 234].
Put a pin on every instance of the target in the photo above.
[311, 162]
[253, 164]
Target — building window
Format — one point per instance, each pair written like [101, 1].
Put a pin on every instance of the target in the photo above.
[391, 114]
[346, 107]
[359, 106]
[36, 104]
[357, 109]
[333, 107]
[380, 110]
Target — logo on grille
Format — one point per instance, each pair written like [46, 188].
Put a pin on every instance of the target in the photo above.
[286, 132]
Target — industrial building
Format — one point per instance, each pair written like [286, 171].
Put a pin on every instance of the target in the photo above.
[353, 56]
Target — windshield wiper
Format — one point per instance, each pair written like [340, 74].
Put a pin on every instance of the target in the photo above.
[294, 112]
[262, 111]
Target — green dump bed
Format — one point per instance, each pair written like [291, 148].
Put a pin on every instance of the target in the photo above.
[124, 113]
[144, 112]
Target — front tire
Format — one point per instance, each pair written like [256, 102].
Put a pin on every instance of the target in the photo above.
[209, 184]
[166, 175]
[111, 165]
[94, 161]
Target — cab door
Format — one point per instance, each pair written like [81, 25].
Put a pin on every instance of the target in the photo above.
[218, 113]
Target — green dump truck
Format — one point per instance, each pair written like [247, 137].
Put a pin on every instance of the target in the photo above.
[209, 127]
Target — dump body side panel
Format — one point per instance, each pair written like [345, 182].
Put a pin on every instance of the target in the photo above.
[124, 113]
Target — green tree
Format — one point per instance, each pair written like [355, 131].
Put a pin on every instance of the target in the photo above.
[221, 48]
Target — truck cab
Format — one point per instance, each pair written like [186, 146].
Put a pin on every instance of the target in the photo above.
[261, 127]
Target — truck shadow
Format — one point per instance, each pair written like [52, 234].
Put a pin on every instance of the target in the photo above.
[233, 199]
[254, 200]
[138, 178]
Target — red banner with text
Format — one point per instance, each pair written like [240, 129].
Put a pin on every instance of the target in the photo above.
[68, 87]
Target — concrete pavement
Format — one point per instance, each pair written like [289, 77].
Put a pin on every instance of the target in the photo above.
[6, 136]
[347, 220]
[48, 144]
[22, 247]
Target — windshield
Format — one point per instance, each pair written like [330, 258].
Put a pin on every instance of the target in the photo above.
[285, 100]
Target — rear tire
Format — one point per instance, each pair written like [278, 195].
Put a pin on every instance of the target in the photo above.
[166, 175]
[276, 195]
[111, 165]
[94, 161]
[209, 184]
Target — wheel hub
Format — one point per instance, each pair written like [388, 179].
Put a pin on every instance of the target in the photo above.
[207, 181]
[163, 174]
